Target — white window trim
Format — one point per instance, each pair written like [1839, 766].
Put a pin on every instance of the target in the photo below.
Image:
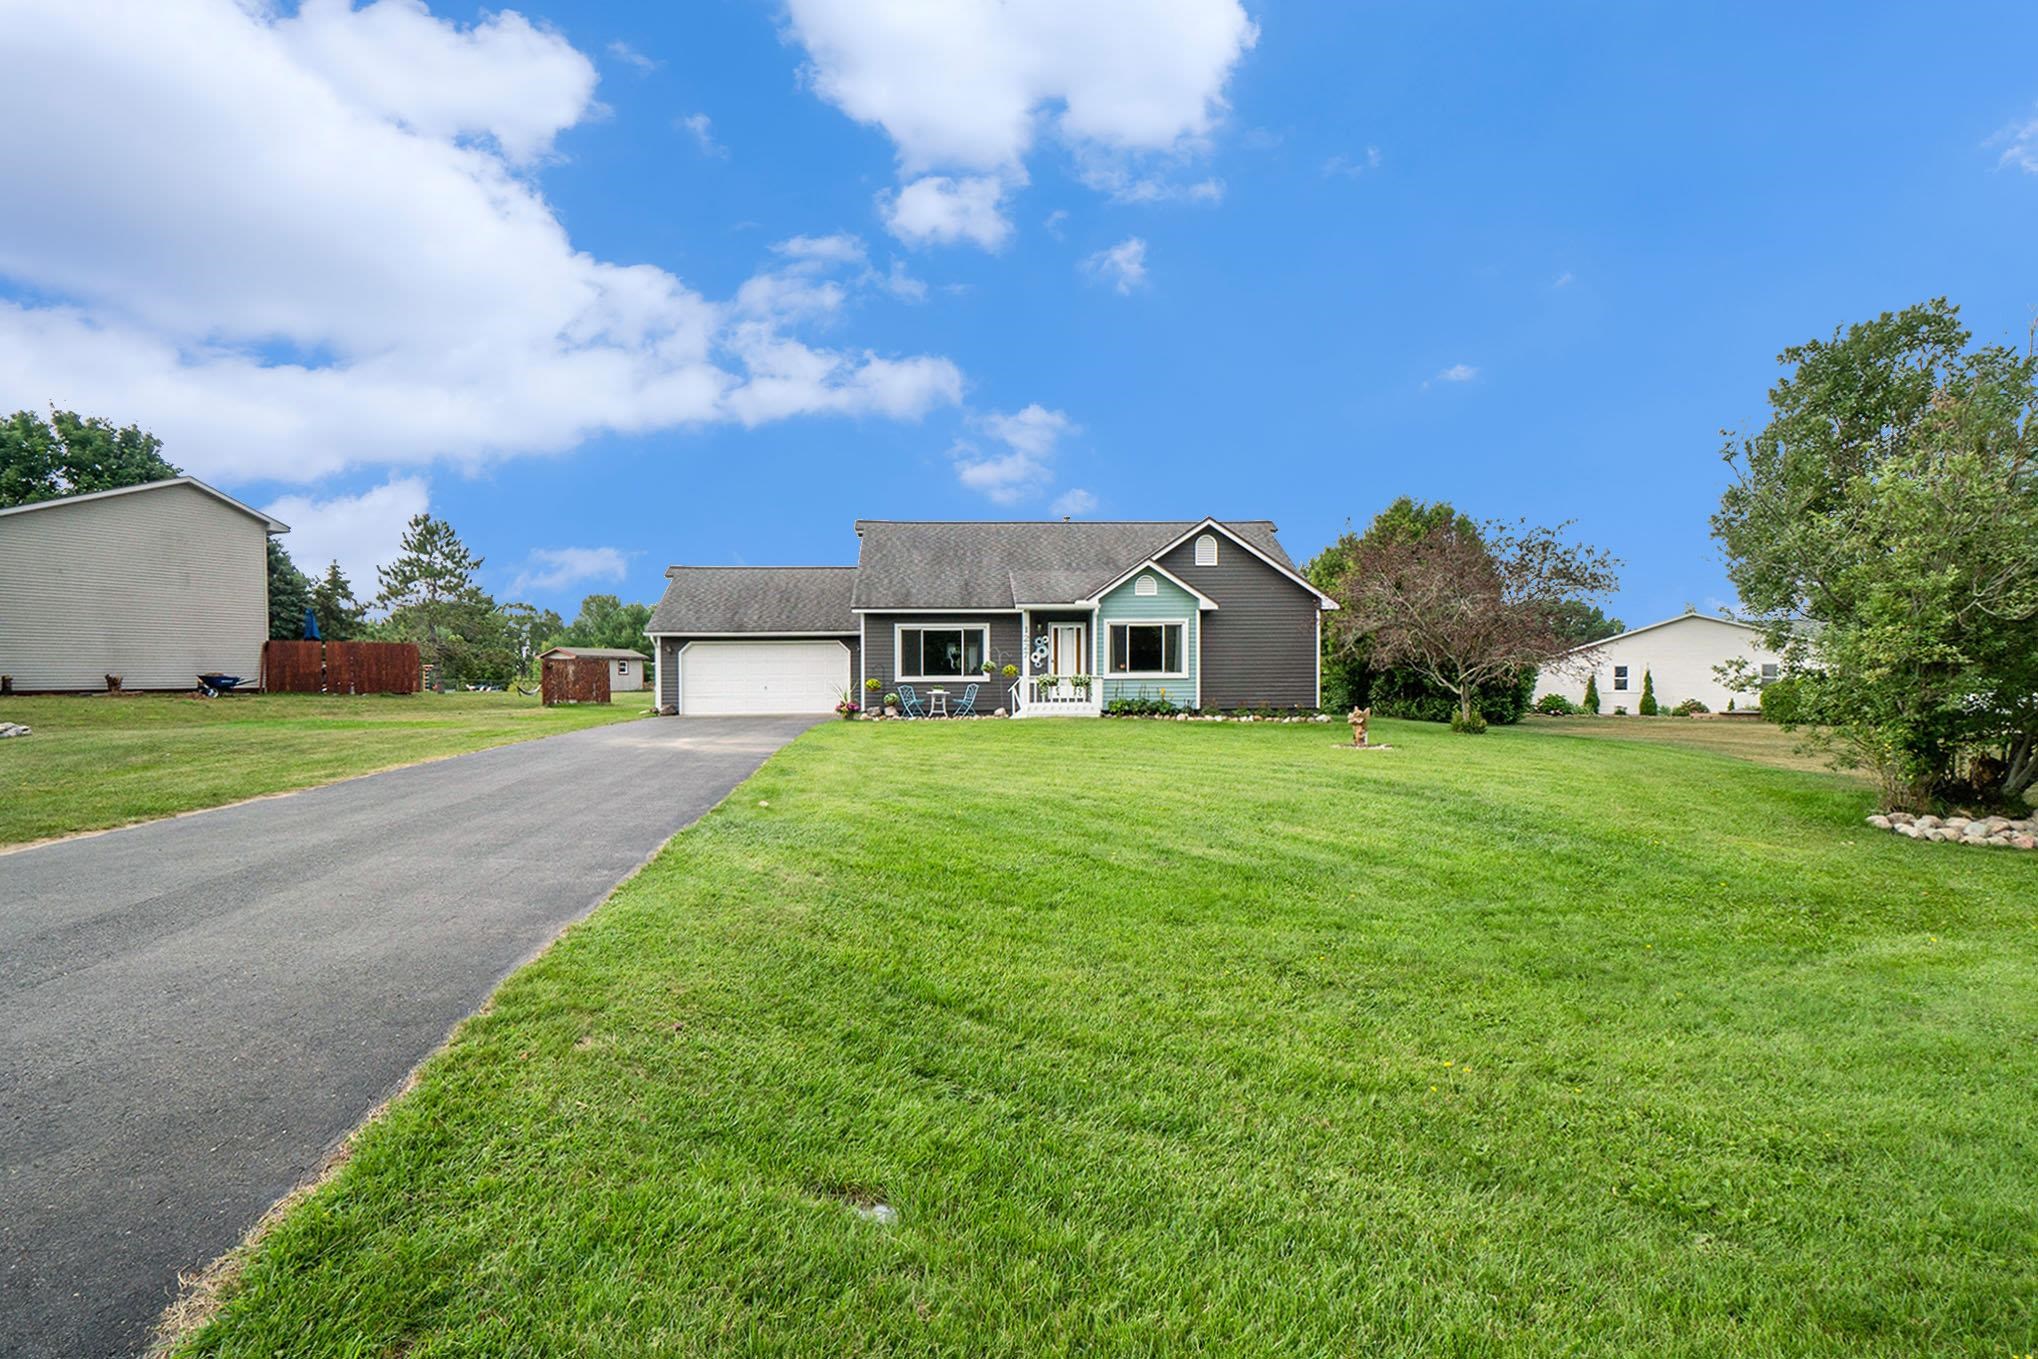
[1201, 539]
[899, 653]
[1110, 623]
[1145, 586]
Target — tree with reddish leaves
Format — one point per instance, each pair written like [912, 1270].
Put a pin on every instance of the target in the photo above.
[1462, 605]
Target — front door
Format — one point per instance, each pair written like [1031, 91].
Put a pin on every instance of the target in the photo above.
[1065, 655]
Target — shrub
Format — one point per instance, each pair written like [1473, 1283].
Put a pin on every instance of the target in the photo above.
[1648, 706]
[1783, 701]
[1475, 725]
[1556, 705]
[1591, 703]
[1620, 710]
[1688, 707]
[1403, 693]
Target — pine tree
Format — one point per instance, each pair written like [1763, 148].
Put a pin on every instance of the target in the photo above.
[433, 600]
[1591, 703]
[1648, 707]
[289, 594]
[340, 616]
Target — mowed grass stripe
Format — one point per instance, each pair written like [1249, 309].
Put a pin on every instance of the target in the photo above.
[1166, 1038]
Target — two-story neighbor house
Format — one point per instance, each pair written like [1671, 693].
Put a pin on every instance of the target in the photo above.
[1198, 614]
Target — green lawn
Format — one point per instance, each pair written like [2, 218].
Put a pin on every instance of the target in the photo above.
[1185, 1039]
[97, 761]
[1748, 738]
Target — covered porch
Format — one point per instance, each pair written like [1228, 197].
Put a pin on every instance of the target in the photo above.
[1059, 676]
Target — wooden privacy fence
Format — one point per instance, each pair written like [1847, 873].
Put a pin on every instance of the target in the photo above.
[340, 667]
[293, 667]
[578, 679]
[371, 668]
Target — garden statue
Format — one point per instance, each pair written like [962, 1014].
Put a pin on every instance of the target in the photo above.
[1358, 717]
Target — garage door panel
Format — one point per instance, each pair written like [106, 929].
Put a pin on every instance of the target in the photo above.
[762, 677]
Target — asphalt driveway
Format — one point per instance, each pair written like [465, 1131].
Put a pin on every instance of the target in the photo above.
[193, 1012]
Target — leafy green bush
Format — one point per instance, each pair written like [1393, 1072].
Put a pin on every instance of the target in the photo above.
[1591, 703]
[1556, 705]
[1783, 701]
[1403, 693]
[1475, 725]
[1648, 706]
[1688, 707]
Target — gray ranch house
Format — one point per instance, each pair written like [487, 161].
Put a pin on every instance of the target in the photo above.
[1198, 614]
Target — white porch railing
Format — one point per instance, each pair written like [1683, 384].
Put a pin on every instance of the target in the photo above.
[1049, 696]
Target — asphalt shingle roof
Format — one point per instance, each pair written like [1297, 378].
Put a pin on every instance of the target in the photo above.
[737, 599]
[597, 653]
[996, 564]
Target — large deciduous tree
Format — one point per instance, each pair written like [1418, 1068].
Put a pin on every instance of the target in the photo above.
[1891, 504]
[1465, 607]
[68, 454]
[604, 620]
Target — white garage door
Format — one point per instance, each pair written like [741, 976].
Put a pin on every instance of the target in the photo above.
[762, 677]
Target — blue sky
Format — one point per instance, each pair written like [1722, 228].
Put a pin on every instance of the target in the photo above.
[1309, 257]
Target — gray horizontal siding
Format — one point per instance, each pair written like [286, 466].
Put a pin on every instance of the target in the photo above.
[1007, 648]
[1259, 644]
[668, 655]
[158, 587]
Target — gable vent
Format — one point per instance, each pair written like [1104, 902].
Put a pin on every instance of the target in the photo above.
[1145, 586]
[1206, 551]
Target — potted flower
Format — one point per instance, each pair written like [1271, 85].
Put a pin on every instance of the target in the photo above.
[870, 688]
[1010, 672]
[1080, 685]
[849, 707]
[891, 705]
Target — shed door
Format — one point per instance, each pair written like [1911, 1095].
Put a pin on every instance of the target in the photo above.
[719, 678]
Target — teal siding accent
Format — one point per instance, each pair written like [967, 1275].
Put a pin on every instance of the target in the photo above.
[1169, 602]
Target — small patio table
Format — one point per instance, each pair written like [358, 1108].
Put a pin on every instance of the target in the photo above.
[937, 702]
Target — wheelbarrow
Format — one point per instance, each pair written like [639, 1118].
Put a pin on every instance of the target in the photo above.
[213, 685]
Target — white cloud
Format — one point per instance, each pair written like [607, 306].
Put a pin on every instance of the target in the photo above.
[1351, 167]
[1025, 468]
[1034, 430]
[551, 569]
[1457, 372]
[1054, 222]
[2019, 141]
[1564, 280]
[968, 86]
[298, 245]
[901, 284]
[623, 52]
[1072, 502]
[503, 78]
[360, 532]
[938, 210]
[1123, 265]
[702, 129]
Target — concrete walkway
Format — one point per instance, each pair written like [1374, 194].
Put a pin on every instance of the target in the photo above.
[193, 1012]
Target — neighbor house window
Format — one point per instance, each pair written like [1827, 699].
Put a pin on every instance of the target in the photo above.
[1206, 551]
[942, 653]
[622, 667]
[1145, 585]
[1620, 677]
[1146, 649]
[1770, 672]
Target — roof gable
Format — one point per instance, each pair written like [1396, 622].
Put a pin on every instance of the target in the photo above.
[273, 525]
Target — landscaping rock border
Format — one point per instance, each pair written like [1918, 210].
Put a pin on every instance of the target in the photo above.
[2003, 832]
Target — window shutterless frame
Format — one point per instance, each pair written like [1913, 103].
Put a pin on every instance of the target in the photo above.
[1173, 640]
[909, 659]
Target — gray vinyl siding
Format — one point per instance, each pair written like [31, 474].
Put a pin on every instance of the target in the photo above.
[157, 586]
[668, 655]
[1259, 644]
[1007, 648]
